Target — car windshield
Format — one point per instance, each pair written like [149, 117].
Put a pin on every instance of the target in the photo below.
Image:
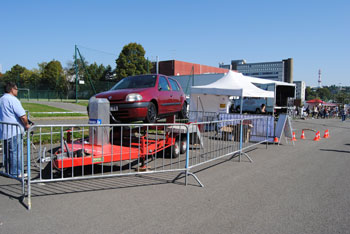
[134, 82]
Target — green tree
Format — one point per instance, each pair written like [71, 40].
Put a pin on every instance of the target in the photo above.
[14, 75]
[70, 70]
[53, 76]
[30, 78]
[324, 93]
[309, 93]
[342, 98]
[131, 61]
[96, 72]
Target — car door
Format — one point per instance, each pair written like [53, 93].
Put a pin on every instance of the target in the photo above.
[176, 96]
[164, 96]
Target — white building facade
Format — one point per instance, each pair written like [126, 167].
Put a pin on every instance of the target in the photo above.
[276, 71]
[300, 90]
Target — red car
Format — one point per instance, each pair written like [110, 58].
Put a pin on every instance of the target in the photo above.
[146, 97]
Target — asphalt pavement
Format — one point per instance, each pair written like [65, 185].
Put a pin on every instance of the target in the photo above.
[303, 188]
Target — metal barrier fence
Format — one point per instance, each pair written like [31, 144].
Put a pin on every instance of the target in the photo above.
[223, 138]
[12, 163]
[202, 116]
[74, 152]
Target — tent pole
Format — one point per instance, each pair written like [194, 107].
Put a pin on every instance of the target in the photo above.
[241, 109]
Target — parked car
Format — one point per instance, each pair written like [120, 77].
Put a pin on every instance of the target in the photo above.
[250, 104]
[146, 98]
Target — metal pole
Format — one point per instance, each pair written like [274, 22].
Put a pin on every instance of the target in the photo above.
[157, 64]
[28, 170]
[88, 75]
[147, 66]
[241, 109]
[76, 74]
[241, 137]
[187, 151]
[267, 131]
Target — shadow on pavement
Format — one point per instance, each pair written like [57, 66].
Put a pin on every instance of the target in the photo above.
[333, 150]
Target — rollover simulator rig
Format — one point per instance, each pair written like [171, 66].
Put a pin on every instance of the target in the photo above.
[108, 143]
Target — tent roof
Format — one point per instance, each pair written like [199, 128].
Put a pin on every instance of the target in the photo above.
[267, 81]
[330, 104]
[316, 100]
[232, 84]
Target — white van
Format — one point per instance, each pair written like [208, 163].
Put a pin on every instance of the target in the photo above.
[251, 104]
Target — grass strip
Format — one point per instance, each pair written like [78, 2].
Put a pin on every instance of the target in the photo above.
[35, 107]
[38, 115]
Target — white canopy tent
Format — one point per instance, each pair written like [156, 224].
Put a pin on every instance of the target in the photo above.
[267, 81]
[232, 84]
[214, 97]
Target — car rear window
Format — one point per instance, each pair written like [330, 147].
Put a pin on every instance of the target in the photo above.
[134, 82]
[174, 85]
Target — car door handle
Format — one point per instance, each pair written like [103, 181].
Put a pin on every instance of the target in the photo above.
[171, 95]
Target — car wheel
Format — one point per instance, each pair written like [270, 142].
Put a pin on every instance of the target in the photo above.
[183, 114]
[174, 150]
[183, 145]
[151, 113]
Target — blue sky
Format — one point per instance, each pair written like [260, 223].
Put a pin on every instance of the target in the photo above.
[316, 34]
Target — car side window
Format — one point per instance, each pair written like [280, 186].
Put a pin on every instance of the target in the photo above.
[174, 85]
[163, 84]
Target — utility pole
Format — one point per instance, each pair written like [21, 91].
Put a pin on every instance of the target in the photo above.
[319, 79]
[76, 74]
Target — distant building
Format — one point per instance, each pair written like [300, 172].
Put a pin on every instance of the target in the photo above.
[180, 68]
[277, 71]
[300, 90]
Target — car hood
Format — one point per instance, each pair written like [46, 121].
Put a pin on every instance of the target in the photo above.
[119, 94]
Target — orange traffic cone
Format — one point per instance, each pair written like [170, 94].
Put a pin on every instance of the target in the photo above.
[319, 135]
[326, 134]
[275, 140]
[302, 135]
[316, 137]
[294, 139]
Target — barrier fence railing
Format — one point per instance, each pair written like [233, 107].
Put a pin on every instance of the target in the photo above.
[75, 152]
[228, 137]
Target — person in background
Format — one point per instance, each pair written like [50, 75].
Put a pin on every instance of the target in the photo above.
[343, 114]
[11, 111]
[232, 108]
[263, 108]
[307, 111]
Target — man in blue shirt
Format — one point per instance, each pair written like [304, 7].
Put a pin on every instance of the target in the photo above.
[13, 121]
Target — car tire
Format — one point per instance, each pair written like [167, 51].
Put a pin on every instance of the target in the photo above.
[151, 116]
[183, 145]
[174, 150]
[183, 114]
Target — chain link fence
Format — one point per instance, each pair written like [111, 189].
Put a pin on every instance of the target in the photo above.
[84, 91]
